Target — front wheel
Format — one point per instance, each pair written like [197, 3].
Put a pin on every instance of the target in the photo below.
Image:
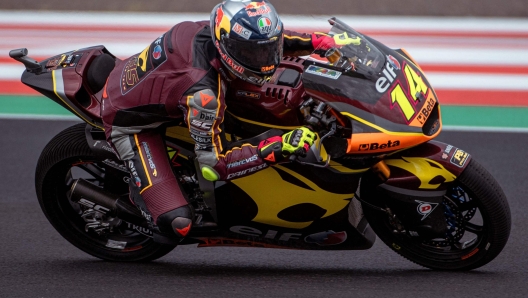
[67, 157]
[477, 217]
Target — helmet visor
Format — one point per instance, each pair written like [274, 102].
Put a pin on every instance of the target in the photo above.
[260, 56]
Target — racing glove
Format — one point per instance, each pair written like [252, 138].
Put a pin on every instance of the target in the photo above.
[322, 42]
[297, 142]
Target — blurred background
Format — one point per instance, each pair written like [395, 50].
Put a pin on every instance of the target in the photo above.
[475, 53]
[482, 8]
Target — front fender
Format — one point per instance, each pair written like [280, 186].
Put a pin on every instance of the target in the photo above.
[425, 170]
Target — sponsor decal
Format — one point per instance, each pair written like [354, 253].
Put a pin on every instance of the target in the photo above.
[445, 156]
[395, 63]
[149, 158]
[426, 110]
[242, 162]
[156, 54]
[134, 173]
[254, 9]
[267, 68]
[207, 116]
[270, 234]
[242, 31]
[141, 230]
[243, 93]
[247, 171]
[264, 25]
[205, 98]
[326, 238]
[198, 132]
[425, 208]
[93, 206]
[228, 60]
[384, 82]
[459, 158]
[203, 140]
[202, 147]
[138, 67]
[448, 149]
[115, 165]
[201, 125]
[378, 146]
[323, 72]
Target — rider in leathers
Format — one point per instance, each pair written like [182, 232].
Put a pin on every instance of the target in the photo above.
[182, 75]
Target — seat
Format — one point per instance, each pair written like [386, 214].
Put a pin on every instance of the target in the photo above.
[98, 72]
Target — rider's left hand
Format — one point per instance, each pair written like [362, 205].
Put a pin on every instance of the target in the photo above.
[322, 42]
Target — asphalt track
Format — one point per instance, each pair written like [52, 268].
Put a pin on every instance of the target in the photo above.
[36, 262]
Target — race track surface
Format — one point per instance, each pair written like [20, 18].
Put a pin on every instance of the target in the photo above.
[37, 262]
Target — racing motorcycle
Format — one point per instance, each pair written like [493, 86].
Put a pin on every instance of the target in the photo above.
[374, 169]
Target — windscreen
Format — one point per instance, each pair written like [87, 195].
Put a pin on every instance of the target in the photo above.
[352, 51]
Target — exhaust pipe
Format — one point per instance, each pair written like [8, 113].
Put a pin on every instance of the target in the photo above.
[89, 195]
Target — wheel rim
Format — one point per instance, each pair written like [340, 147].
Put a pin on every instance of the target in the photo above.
[124, 237]
[467, 228]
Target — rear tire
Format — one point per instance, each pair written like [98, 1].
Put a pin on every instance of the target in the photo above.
[487, 240]
[69, 150]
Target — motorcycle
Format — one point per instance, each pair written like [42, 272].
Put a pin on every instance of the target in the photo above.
[374, 169]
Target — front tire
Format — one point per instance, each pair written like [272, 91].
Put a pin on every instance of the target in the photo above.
[65, 156]
[477, 214]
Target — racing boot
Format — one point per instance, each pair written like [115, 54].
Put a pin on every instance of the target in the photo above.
[176, 222]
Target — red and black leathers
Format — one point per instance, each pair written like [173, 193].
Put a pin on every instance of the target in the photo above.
[178, 76]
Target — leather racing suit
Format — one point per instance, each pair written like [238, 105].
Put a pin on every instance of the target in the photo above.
[178, 76]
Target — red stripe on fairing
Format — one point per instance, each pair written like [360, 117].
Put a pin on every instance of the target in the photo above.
[16, 88]
[483, 97]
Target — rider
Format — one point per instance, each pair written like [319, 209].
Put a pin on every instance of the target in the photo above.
[183, 74]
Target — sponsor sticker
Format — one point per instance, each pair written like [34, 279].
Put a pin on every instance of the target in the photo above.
[254, 9]
[459, 158]
[253, 95]
[246, 171]
[323, 72]
[149, 159]
[242, 31]
[326, 238]
[242, 162]
[156, 53]
[425, 208]
[202, 140]
[264, 25]
[378, 146]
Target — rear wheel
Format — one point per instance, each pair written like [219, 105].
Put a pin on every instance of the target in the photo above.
[477, 216]
[67, 157]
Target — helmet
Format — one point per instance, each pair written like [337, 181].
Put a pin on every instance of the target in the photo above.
[249, 37]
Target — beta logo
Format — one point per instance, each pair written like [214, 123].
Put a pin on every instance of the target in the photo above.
[425, 208]
[378, 146]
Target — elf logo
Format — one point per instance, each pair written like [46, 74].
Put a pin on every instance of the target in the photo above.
[384, 82]
[378, 146]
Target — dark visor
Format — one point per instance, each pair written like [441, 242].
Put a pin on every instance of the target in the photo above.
[255, 55]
